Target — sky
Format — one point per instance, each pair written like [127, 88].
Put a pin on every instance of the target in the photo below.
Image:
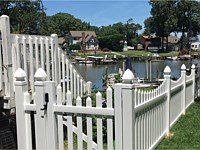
[101, 13]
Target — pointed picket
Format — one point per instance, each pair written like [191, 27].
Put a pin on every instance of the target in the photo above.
[79, 125]
[99, 122]
[89, 125]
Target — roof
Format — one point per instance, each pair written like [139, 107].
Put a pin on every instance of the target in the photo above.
[79, 33]
[88, 35]
[198, 42]
[172, 39]
[61, 40]
[149, 37]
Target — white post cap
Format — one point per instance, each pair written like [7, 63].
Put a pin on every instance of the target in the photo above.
[167, 70]
[193, 66]
[128, 76]
[40, 75]
[183, 67]
[20, 74]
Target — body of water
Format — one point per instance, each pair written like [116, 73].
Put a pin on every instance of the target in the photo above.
[95, 73]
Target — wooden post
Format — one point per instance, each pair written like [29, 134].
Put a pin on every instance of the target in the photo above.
[183, 74]
[40, 117]
[7, 61]
[167, 75]
[23, 123]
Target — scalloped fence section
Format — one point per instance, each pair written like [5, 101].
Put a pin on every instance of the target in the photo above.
[124, 118]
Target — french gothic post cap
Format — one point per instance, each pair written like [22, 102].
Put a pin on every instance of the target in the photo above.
[167, 70]
[20, 74]
[40, 75]
[183, 67]
[128, 76]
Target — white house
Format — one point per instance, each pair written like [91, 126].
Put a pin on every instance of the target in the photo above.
[195, 46]
[87, 39]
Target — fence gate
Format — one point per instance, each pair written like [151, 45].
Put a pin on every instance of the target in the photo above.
[72, 123]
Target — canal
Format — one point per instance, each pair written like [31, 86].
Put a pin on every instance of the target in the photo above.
[95, 73]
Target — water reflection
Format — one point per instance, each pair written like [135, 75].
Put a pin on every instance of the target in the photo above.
[94, 73]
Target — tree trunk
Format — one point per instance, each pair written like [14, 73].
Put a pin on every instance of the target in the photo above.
[181, 42]
[167, 43]
[162, 43]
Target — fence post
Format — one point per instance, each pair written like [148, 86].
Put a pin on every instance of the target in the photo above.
[183, 74]
[7, 61]
[22, 126]
[51, 119]
[41, 105]
[118, 115]
[193, 84]
[128, 111]
[167, 75]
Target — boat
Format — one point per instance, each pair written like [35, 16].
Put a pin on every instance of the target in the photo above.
[172, 58]
[79, 58]
[86, 62]
[94, 57]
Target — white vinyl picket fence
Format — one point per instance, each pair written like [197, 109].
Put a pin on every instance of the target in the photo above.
[134, 119]
[30, 52]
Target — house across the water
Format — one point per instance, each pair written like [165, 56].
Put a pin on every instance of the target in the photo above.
[87, 39]
[152, 43]
[195, 46]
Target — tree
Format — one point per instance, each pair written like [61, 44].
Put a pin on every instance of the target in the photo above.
[174, 16]
[26, 17]
[113, 36]
[188, 15]
[162, 22]
[61, 23]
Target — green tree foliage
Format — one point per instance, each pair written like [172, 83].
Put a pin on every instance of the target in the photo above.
[62, 23]
[113, 36]
[162, 22]
[174, 16]
[25, 16]
[188, 18]
[75, 46]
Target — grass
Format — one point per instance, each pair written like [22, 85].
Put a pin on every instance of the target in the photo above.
[186, 131]
[130, 53]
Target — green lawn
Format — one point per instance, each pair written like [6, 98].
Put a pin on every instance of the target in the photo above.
[130, 53]
[186, 131]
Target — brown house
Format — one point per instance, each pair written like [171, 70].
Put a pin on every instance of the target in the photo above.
[87, 39]
[149, 42]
